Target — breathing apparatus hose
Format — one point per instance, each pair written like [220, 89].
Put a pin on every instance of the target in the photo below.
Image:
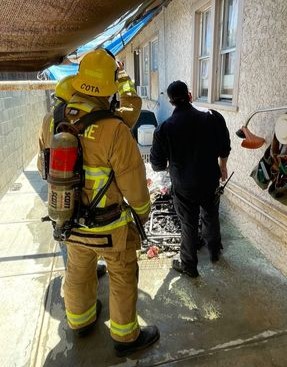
[140, 226]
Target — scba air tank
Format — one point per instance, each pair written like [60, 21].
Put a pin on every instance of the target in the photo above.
[62, 180]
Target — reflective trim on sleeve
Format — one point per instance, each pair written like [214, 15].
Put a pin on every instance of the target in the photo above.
[125, 329]
[81, 319]
[51, 125]
[126, 86]
[92, 172]
[142, 209]
[122, 221]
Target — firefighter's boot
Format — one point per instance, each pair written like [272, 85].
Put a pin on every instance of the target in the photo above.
[147, 336]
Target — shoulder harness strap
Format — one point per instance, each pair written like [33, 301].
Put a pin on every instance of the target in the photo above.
[90, 118]
[59, 115]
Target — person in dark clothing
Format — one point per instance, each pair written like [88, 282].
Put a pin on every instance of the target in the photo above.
[194, 146]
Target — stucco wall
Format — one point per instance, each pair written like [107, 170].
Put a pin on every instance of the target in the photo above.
[263, 72]
[21, 114]
[262, 84]
[173, 27]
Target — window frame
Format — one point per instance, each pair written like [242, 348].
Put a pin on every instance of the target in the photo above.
[148, 45]
[215, 59]
[201, 57]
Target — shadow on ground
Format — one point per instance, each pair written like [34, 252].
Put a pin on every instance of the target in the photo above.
[237, 306]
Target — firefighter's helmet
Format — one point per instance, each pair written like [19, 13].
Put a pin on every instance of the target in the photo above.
[64, 89]
[97, 74]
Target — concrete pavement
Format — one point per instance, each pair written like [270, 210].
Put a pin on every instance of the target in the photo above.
[235, 314]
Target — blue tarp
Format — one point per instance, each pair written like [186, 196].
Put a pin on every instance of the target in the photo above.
[121, 40]
[57, 72]
[115, 45]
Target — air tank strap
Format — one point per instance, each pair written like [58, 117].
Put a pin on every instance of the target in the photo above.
[59, 115]
[101, 192]
[90, 118]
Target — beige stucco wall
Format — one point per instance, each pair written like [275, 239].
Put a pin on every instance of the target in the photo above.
[262, 84]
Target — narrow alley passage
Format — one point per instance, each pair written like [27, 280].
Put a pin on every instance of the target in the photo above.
[234, 314]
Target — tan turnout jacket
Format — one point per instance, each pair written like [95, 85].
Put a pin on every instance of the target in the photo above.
[108, 145]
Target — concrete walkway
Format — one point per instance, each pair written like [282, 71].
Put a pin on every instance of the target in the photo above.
[235, 314]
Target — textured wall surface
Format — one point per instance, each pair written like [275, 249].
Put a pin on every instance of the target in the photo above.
[262, 84]
[263, 72]
[173, 27]
[21, 114]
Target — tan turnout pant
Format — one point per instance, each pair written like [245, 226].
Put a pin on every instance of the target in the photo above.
[80, 287]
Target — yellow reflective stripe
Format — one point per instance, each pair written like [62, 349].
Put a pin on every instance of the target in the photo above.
[123, 330]
[52, 125]
[126, 86]
[98, 184]
[122, 221]
[142, 209]
[92, 172]
[76, 320]
[83, 106]
[58, 101]
[100, 176]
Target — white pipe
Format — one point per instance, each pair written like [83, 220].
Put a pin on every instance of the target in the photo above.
[254, 206]
[21, 85]
[264, 110]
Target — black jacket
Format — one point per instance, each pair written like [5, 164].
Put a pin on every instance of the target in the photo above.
[190, 142]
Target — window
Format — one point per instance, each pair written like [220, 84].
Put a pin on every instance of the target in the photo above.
[154, 71]
[215, 51]
[229, 14]
[145, 66]
[148, 87]
[204, 55]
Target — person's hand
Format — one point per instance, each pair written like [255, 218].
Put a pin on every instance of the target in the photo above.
[223, 168]
[224, 173]
[121, 65]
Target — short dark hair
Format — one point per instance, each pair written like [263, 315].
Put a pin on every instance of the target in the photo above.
[178, 92]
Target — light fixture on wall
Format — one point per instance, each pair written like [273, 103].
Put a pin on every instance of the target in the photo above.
[252, 141]
[135, 50]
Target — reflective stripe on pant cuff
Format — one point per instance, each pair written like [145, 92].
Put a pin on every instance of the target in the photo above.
[125, 329]
[79, 320]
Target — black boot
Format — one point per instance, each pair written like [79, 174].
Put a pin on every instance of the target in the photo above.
[86, 330]
[214, 255]
[215, 252]
[178, 266]
[147, 336]
[101, 270]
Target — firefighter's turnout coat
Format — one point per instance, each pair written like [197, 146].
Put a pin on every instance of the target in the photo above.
[107, 145]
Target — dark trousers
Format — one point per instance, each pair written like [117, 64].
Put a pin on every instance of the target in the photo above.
[189, 209]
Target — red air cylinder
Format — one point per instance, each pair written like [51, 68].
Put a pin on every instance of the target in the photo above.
[61, 179]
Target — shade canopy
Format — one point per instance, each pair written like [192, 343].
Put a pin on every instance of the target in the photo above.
[36, 34]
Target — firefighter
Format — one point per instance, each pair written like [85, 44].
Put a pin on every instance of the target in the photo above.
[63, 92]
[108, 146]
